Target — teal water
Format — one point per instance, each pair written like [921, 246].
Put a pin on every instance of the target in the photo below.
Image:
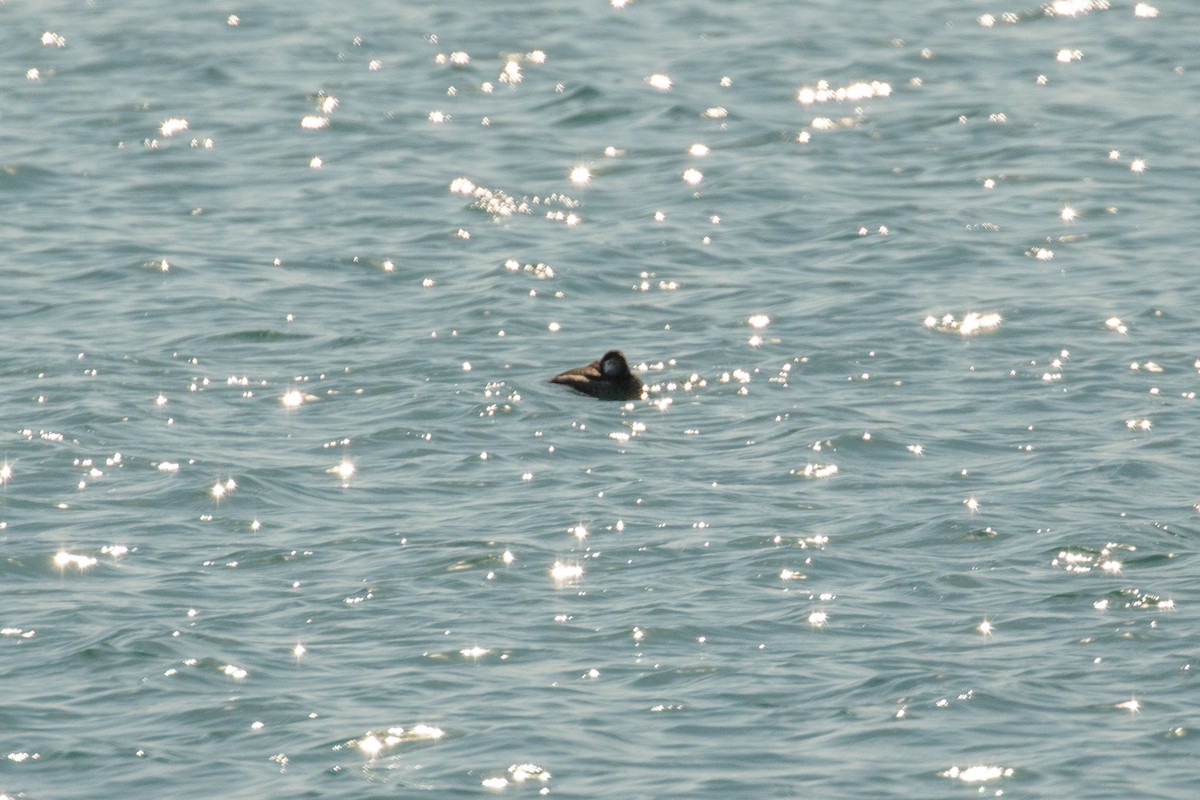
[289, 510]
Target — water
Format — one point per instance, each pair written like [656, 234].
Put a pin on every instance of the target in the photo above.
[290, 511]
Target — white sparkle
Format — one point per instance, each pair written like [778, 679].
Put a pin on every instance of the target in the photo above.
[173, 126]
[565, 573]
[370, 745]
[344, 470]
[1131, 705]
[63, 559]
[581, 175]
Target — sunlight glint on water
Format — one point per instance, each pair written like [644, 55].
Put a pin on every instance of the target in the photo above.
[288, 507]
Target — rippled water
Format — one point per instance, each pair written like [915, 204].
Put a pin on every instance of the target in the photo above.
[289, 510]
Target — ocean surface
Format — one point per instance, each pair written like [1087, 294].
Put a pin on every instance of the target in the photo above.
[288, 508]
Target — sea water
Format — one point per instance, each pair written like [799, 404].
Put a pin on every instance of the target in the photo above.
[288, 508]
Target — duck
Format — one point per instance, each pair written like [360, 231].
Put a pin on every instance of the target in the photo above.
[606, 378]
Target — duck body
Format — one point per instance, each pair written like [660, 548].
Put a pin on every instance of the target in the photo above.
[606, 378]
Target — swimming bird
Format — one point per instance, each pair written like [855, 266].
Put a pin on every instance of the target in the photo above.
[607, 378]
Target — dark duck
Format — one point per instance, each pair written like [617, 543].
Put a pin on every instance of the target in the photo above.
[607, 378]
